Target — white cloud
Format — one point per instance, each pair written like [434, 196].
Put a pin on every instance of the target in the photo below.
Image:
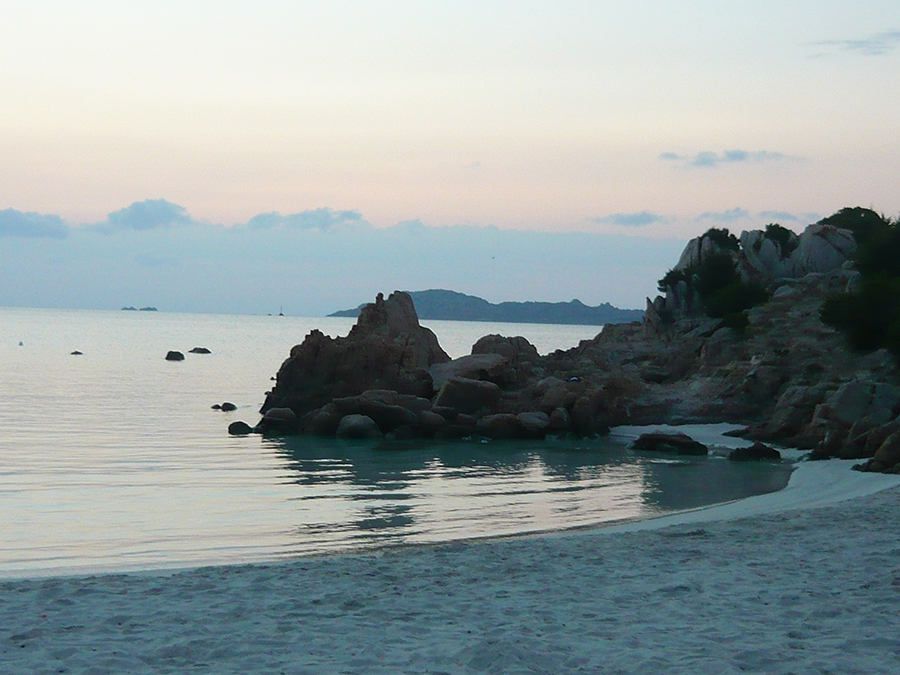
[15, 223]
[877, 44]
[727, 216]
[708, 158]
[312, 219]
[638, 219]
[149, 214]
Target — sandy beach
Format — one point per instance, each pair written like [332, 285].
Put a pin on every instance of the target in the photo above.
[805, 580]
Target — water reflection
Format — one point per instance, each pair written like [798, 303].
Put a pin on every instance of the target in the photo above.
[371, 494]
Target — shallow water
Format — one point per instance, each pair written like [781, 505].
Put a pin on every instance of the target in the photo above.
[114, 460]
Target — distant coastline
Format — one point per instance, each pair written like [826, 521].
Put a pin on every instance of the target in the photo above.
[142, 309]
[452, 306]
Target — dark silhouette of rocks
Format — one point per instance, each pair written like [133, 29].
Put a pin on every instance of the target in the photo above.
[358, 426]
[453, 306]
[174, 356]
[200, 350]
[754, 453]
[76, 353]
[386, 349]
[679, 443]
[239, 428]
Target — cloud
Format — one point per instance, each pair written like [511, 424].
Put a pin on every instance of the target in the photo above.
[312, 219]
[708, 158]
[15, 223]
[786, 216]
[878, 44]
[726, 216]
[149, 214]
[778, 215]
[639, 219]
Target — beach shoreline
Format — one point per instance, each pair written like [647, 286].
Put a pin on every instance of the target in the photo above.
[793, 581]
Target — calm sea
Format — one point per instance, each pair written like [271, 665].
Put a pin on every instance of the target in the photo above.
[114, 459]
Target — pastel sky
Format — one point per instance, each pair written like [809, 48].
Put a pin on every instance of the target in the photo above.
[643, 119]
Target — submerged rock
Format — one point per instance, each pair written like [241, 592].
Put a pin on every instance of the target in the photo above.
[754, 453]
[676, 442]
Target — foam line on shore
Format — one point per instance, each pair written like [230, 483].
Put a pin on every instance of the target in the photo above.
[811, 485]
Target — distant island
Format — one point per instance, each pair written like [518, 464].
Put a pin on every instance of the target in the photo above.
[450, 305]
[142, 309]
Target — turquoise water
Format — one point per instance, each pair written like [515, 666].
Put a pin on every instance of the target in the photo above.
[114, 460]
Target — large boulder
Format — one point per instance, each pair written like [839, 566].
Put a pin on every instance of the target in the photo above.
[467, 395]
[821, 248]
[765, 256]
[519, 353]
[381, 406]
[490, 367]
[387, 349]
[358, 426]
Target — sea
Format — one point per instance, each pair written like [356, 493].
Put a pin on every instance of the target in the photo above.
[114, 459]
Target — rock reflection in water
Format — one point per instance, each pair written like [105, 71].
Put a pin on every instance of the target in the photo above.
[373, 494]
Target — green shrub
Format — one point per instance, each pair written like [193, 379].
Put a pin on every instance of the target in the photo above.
[782, 236]
[869, 319]
[723, 238]
[671, 278]
[724, 295]
[880, 254]
[864, 223]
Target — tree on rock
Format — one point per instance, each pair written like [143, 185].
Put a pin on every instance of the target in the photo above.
[869, 316]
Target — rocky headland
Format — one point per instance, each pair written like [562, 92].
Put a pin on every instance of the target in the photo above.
[450, 305]
[773, 367]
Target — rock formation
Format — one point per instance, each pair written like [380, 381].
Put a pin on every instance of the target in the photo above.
[786, 375]
[387, 349]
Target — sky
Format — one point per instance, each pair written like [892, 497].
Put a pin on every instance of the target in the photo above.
[140, 139]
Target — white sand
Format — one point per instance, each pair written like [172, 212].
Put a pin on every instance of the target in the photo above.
[784, 583]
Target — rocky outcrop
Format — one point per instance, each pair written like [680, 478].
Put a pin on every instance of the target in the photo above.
[387, 349]
[788, 376]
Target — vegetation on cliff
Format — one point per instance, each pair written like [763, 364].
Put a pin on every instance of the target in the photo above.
[869, 314]
[716, 281]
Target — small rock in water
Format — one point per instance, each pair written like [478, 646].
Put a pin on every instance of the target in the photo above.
[174, 356]
[200, 350]
[754, 453]
[77, 353]
[228, 407]
[239, 428]
[670, 442]
[216, 406]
